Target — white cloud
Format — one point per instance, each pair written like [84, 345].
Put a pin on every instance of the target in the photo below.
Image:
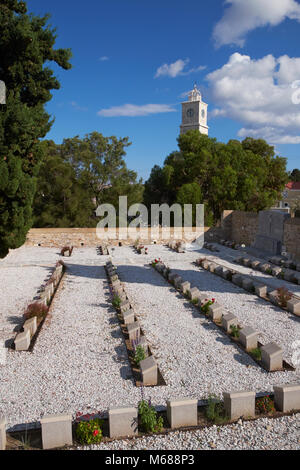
[133, 110]
[103, 58]
[242, 16]
[176, 68]
[258, 93]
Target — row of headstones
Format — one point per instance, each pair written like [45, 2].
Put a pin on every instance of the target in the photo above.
[210, 246]
[103, 249]
[271, 353]
[148, 366]
[281, 261]
[177, 245]
[22, 340]
[281, 272]
[293, 304]
[230, 244]
[181, 413]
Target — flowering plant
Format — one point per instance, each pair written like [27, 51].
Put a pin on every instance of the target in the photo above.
[265, 405]
[155, 262]
[89, 432]
[206, 305]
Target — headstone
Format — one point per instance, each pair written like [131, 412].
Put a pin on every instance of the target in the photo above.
[237, 279]
[182, 412]
[128, 317]
[270, 234]
[149, 371]
[184, 286]
[261, 291]
[2, 433]
[194, 293]
[123, 421]
[273, 296]
[22, 341]
[272, 357]
[293, 306]
[239, 404]
[226, 274]
[56, 431]
[31, 325]
[255, 264]
[287, 397]
[248, 338]
[228, 321]
[134, 331]
[219, 270]
[248, 284]
[124, 306]
[215, 311]
[289, 275]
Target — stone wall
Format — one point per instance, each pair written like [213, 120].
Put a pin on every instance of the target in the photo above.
[292, 237]
[58, 237]
[240, 226]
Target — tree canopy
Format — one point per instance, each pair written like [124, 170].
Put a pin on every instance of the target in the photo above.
[26, 45]
[238, 175]
[79, 175]
[295, 175]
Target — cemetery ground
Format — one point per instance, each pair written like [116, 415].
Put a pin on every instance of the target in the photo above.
[79, 362]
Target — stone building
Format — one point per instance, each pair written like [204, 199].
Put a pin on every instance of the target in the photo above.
[290, 197]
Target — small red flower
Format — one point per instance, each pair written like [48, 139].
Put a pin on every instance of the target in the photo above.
[96, 432]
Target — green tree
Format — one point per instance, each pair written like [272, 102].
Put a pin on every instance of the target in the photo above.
[295, 175]
[79, 175]
[101, 169]
[60, 200]
[26, 45]
[238, 175]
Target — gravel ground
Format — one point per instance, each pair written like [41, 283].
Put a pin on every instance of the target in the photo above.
[79, 362]
[272, 322]
[262, 434]
[21, 275]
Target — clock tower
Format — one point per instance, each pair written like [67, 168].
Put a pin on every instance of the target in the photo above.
[194, 113]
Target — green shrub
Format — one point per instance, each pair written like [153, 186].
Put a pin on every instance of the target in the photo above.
[256, 353]
[139, 355]
[205, 307]
[215, 411]
[89, 432]
[116, 301]
[149, 420]
[235, 331]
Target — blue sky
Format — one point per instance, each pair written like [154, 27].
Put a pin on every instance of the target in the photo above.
[243, 54]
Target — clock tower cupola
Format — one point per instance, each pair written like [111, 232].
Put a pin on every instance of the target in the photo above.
[194, 113]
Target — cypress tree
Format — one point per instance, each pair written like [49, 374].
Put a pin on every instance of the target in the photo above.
[26, 44]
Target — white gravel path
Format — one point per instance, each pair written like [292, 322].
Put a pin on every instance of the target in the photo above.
[21, 275]
[79, 362]
[262, 434]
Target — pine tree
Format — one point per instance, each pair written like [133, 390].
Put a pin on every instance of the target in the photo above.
[26, 44]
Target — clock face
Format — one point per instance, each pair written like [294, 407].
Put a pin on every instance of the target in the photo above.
[190, 113]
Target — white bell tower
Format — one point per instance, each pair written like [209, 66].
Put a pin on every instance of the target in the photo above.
[194, 113]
